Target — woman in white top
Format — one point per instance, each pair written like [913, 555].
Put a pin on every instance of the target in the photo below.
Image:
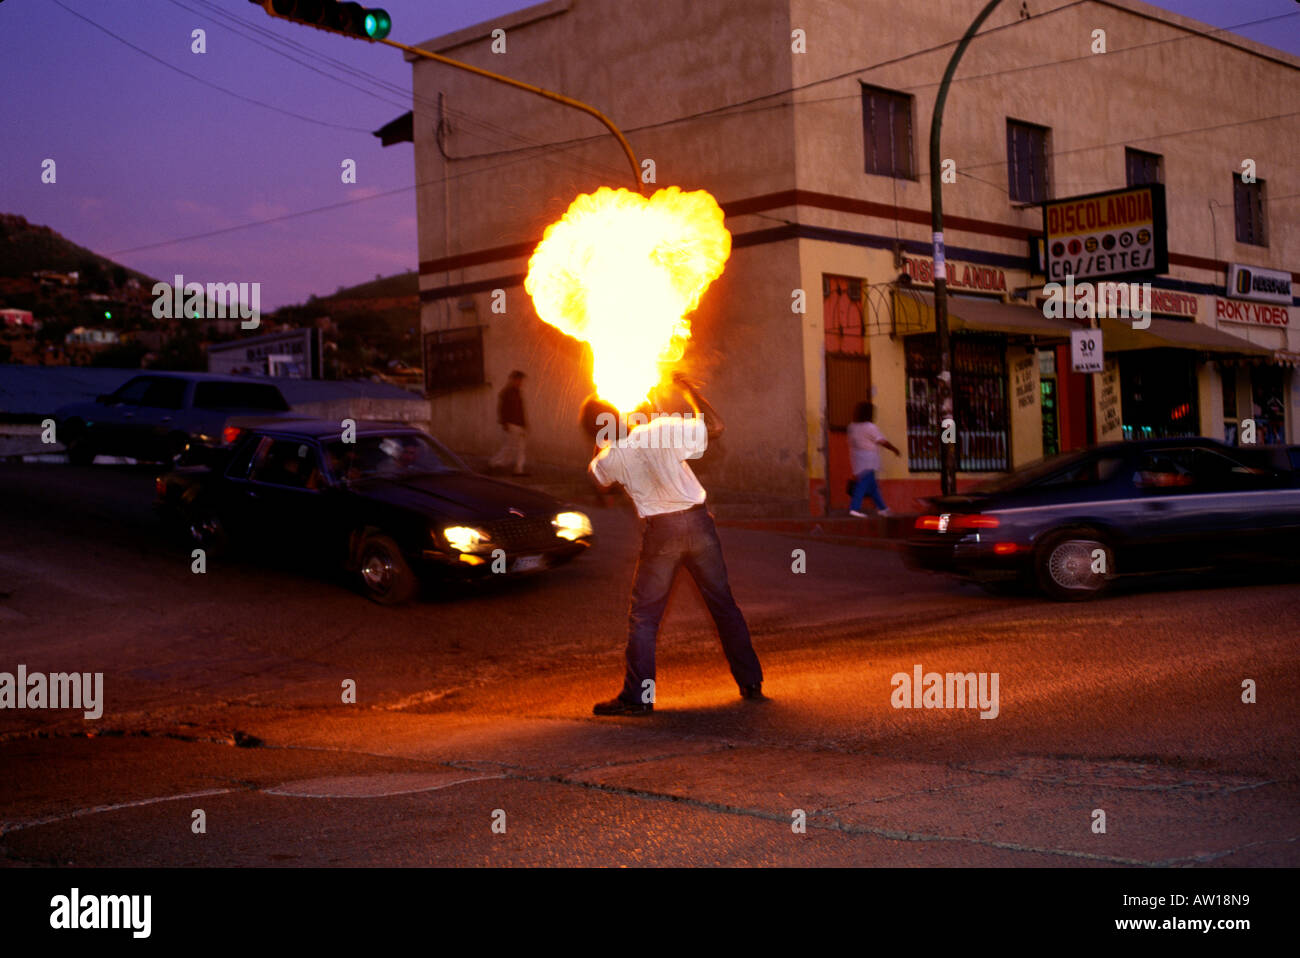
[865, 442]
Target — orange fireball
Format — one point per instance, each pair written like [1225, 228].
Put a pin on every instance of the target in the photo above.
[620, 272]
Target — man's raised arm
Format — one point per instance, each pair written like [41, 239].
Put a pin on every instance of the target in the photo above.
[713, 424]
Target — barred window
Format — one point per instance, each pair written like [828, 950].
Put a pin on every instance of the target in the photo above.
[1248, 206]
[1026, 162]
[453, 359]
[1141, 167]
[979, 403]
[887, 132]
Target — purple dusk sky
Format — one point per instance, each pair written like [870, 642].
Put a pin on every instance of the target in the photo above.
[147, 157]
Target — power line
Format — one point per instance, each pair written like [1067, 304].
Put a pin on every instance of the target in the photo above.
[556, 145]
[278, 41]
[205, 82]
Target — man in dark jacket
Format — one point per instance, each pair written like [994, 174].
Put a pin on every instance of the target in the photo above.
[510, 414]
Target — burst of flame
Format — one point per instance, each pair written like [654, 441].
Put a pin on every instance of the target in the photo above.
[621, 272]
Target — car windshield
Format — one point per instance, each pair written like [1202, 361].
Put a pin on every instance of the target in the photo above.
[397, 456]
[1033, 473]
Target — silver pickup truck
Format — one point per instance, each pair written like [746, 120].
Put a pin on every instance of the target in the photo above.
[158, 416]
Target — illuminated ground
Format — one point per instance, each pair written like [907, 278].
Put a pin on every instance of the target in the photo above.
[1131, 706]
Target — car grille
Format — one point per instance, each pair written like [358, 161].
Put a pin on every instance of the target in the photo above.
[519, 535]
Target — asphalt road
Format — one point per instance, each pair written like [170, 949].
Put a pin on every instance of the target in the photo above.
[472, 741]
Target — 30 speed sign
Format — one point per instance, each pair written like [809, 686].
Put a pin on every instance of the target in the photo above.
[1086, 350]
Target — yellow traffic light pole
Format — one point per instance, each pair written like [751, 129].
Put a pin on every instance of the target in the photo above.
[517, 84]
[539, 91]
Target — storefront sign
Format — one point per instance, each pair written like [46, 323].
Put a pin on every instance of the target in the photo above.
[961, 276]
[1255, 282]
[1110, 424]
[1024, 381]
[1253, 314]
[1085, 350]
[1118, 233]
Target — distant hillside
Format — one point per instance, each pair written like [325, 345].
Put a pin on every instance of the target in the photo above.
[26, 247]
[386, 287]
[373, 323]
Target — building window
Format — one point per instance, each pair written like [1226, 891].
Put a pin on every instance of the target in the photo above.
[1248, 206]
[1141, 167]
[1026, 162]
[887, 132]
[453, 359]
[979, 402]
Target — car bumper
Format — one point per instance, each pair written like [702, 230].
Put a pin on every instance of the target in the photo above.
[437, 564]
[970, 557]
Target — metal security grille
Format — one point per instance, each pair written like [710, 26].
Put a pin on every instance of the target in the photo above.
[979, 403]
[453, 359]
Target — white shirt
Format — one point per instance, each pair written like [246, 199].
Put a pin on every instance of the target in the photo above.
[650, 463]
[864, 446]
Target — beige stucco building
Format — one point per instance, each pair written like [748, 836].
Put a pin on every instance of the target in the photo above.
[809, 121]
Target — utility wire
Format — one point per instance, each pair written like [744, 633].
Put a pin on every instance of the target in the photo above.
[205, 82]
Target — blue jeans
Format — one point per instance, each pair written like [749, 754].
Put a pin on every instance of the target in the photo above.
[669, 541]
[866, 486]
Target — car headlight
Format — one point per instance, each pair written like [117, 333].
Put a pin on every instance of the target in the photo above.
[466, 538]
[572, 525]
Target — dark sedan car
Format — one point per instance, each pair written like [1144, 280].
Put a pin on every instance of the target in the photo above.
[1069, 525]
[388, 503]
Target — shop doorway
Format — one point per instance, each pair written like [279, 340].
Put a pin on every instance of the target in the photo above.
[848, 376]
[1158, 394]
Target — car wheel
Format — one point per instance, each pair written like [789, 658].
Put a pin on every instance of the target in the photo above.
[1075, 564]
[386, 577]
[77, 443]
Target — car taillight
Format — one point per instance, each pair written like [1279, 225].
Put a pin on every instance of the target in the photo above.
[160, 486]
[973, 522]
[230, 434]
[949, 521]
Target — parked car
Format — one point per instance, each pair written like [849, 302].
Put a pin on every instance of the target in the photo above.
[392, 506]
[156, 416]
[1071, 524]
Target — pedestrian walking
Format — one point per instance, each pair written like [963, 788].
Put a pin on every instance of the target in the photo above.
[510, 414]
[865, 442]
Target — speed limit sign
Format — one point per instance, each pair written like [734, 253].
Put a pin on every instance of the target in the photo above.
[1085, 350]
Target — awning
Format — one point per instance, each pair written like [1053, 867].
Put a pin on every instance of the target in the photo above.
[1120, 335]
[914, 313]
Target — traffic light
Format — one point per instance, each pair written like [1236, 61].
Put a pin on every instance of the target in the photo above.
[349, 19]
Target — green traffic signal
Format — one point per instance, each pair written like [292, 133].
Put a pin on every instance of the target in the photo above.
[349, 18]
[378, 23]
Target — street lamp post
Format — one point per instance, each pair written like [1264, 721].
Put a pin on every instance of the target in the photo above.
[948, 450]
